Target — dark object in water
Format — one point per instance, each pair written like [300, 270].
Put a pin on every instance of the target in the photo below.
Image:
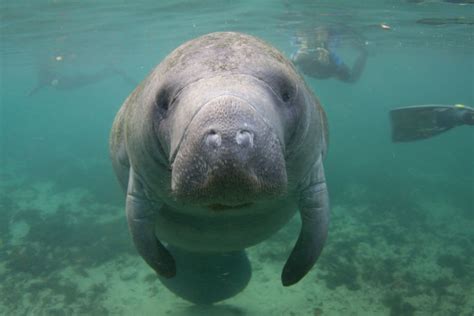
[460, 1]
[446, 21]
[424, 121]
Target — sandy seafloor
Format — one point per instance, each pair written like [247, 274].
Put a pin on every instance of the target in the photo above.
[63, 253]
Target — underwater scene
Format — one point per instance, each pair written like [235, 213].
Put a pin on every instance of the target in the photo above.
[215, 225]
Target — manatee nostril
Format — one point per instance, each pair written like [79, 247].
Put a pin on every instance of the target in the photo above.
[213, 139]
[244, 138]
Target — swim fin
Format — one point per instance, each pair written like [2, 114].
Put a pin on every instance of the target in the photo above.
[424, 121]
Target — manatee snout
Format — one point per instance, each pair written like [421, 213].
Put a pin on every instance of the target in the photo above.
[229, 155]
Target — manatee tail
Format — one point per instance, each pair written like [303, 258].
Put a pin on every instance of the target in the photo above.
[207, 278]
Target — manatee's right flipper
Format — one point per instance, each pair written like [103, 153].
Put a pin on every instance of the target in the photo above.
[141, 222]
[314, 211]
[207, 278]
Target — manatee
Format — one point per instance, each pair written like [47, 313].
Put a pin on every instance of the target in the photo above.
[217, 149]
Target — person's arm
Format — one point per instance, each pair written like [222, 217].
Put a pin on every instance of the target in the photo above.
[344, 73]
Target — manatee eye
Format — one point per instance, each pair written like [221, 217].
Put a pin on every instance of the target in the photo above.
[281, 84]
[285, 96]
[162, 101]
[285, 88]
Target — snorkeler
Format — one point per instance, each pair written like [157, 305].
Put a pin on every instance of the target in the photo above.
[423, 121]
[317, 56]
[47, 77]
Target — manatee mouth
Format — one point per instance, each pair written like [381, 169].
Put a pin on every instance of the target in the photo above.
[222, 207]
[220, 188]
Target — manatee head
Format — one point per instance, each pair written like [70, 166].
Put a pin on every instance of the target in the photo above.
[228, 113]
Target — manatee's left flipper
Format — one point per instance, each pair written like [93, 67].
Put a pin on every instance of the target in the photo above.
[314, 211]
[141, 222]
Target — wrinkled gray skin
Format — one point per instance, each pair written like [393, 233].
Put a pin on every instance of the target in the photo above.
[217, 149]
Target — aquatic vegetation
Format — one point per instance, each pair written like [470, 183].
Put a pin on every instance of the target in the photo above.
[342, 273]
[54, 243]
[371, 253]
[459, 266]
[398, 306]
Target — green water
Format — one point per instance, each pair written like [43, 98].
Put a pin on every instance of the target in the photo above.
[401, 240]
